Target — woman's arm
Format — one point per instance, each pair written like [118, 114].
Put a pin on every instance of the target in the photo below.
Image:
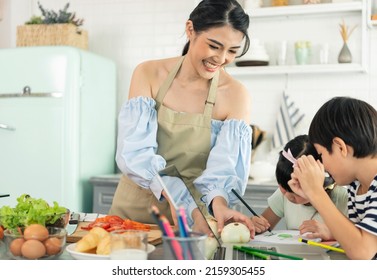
[227, 168]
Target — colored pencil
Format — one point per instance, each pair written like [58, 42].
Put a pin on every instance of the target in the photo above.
[247, 205]
[253, 253]
[187, 250]
[271, 253]
[157, 217]
[324, 246]
[182, 213]
[176, 247]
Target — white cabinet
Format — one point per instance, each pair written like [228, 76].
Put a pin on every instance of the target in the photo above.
[317, 23]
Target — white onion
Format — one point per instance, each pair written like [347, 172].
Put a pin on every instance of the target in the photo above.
[210, 247]
[213, 225]
[235, 233]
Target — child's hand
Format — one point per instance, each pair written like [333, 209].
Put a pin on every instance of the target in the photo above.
[315, 229]
[260, 224]
[310, 174]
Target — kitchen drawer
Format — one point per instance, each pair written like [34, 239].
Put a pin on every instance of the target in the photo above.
[103, 192]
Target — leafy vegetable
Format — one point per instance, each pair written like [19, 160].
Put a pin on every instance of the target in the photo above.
[30, 211]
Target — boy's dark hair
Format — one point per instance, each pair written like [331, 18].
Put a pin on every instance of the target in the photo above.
[217, 13]
[298, 146]
[352, 120]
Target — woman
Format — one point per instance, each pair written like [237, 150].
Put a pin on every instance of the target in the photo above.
[188, 112]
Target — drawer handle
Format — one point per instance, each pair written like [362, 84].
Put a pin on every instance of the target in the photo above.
[7, 127]
[26, 92]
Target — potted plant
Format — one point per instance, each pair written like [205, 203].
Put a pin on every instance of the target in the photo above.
[53, 28]
[345, 55]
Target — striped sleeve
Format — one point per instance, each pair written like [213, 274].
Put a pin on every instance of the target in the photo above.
[362, 209]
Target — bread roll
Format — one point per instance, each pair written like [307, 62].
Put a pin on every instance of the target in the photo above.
[103, 247]
[88, 242]
[92, 239]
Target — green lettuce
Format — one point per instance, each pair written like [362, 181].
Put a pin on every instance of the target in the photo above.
[30, 210]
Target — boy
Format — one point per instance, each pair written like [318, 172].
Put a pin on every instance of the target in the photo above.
[344, 133]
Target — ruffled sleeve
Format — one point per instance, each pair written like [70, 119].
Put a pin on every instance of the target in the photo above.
[228, 164]
[137, 145]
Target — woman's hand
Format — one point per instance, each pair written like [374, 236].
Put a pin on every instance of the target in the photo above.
[224, 215]
[200, 224]
[315, 229]
[260, 224]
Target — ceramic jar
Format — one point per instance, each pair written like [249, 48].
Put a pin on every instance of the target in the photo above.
[302, 52]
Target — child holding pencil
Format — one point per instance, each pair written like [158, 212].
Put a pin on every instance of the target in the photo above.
[344, 133]
[298, 213]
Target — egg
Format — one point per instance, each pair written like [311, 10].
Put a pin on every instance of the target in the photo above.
[33, 249]
[15, 246]
[36, 232]
[53, 245]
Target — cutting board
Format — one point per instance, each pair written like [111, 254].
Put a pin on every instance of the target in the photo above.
[154, 235]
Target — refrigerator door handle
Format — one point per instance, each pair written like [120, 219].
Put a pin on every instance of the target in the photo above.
[6, 127]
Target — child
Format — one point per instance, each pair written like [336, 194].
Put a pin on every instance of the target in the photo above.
[344, 133]
[296, 210]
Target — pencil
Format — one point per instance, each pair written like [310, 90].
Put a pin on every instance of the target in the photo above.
[254, 253]
[247, 205]
[175, 246]
[271, 253]
[324, 246]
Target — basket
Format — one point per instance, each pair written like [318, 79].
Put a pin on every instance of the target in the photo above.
[51, 35]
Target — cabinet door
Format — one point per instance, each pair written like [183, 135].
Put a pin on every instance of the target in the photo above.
[31, 157]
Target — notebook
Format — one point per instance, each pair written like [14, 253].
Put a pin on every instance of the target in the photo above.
[302, 251]
[225, 251]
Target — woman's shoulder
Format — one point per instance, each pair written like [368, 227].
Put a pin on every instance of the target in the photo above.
[148, 76]
[157, 66]
[235, 97]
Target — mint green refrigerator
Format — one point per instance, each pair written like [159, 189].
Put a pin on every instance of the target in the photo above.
[57, 123]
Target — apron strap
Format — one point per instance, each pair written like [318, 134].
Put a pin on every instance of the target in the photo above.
[168, 81]
[210, 102]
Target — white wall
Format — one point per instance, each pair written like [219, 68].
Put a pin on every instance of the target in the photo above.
[130, 31]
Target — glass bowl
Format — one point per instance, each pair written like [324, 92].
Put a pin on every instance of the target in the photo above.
[28, 246]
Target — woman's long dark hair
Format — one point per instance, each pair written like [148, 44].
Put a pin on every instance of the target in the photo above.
[217, 13]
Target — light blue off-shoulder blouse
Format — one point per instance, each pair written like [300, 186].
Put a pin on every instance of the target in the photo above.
[227, 166]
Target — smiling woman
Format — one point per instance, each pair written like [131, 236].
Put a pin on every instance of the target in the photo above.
[188, 112]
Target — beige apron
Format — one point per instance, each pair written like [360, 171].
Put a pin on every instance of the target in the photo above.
[183, 140]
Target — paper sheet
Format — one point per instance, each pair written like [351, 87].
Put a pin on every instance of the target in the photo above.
[282, 237]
